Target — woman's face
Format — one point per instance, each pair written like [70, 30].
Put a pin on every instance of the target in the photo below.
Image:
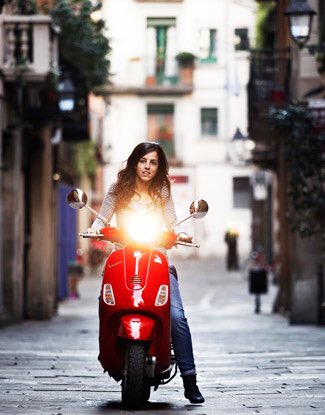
[147, 167]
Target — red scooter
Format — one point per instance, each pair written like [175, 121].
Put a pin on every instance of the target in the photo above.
[134, 306]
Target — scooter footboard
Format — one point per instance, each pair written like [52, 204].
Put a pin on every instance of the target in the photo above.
[137, 327]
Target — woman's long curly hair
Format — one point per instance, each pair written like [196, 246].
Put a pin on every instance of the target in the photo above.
[125, 185]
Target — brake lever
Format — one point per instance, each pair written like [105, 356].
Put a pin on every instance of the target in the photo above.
[90, 235]
[192, 245]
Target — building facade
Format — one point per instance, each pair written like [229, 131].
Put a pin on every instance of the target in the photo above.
[179, 76]
[44, 118]
[28, 249]
[285, 80]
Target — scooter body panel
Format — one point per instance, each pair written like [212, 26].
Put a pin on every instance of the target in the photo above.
[137, 327]
[135, 276]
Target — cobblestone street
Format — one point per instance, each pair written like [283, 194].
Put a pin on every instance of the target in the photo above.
[247, 363]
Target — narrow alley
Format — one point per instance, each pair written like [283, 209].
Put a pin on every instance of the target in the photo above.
[247, 363]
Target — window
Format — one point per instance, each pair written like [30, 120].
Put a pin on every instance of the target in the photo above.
[209, 121]
[208, 45]
[161, 126]
[161, 63]
[241, 39]
[241, 192]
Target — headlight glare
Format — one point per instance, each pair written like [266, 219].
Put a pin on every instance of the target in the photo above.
[143, 229]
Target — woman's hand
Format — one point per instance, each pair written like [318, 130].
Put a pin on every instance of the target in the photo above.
[95, 231]
[184, 237]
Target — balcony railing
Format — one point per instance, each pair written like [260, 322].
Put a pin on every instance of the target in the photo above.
[268, 86]
[167, 72]
[28, 47]
[269, 76]
[148, 76]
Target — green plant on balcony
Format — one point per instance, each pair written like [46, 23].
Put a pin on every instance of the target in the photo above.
[185, 58]
[83, 45]
[186, 66]
[264, 25]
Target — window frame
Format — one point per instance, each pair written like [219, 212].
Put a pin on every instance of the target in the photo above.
[212, 58]
[246, 46]
[213, 135]
[163, 109]
[241, 192]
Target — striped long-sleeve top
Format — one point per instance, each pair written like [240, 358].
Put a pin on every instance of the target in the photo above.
[164, 214]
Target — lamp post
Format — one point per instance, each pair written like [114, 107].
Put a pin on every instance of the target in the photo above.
[300, 16]
[67, 94]
[240, 148]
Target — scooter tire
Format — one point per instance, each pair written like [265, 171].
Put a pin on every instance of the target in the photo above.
[135, 386]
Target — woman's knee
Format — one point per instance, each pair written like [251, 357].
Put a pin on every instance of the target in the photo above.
[178, 316]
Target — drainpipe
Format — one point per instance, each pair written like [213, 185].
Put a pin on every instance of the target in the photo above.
[1, 201]
[227, 58]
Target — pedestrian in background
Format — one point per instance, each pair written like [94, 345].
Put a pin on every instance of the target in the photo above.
[231, 237]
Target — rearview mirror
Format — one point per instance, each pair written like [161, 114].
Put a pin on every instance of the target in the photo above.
[77, 199]
[199, 208]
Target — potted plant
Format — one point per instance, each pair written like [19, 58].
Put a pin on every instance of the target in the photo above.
[185, 58]
[165, 133]
[186, 65]
[151, 80]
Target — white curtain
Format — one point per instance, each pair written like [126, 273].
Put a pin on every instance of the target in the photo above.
[170, 68]
[204, 43]
[232, 84]
[151, 51]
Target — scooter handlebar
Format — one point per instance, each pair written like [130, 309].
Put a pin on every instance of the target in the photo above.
[167, 240]
[90, 235]
[187, 244]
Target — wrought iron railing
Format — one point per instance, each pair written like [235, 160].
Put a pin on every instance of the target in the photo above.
[269, 76]
[167, 72]
[268, 86]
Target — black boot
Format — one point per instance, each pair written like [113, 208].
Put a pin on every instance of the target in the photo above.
[192, 391]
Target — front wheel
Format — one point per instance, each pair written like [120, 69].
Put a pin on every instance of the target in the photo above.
[135, 386]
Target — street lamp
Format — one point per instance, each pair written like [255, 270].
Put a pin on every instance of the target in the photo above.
[67, 94]
[73, 106]
[300, 16]
[240, 148]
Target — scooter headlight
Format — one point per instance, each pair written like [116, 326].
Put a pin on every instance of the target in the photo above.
[162, 296]
[143, 229]
[108, 294]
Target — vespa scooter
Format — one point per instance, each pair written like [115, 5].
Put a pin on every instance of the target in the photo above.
[134, 306]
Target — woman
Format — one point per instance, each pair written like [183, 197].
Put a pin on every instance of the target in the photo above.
[143, 186]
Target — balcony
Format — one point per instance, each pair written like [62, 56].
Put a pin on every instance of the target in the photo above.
[152, 77]
[28, 47]
[268, 86]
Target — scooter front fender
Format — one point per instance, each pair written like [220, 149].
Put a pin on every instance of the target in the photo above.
[136, 327]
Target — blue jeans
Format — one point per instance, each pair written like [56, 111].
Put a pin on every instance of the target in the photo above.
[181, 335]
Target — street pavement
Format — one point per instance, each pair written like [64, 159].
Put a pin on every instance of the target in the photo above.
[247, 363]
